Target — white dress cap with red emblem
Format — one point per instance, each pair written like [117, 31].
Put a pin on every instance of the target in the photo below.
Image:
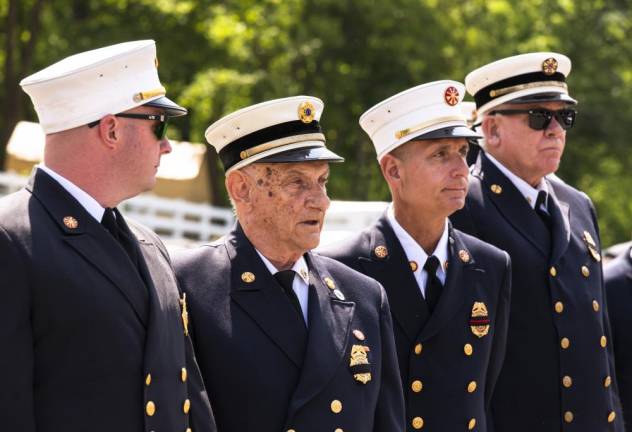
[524, 78]
[277, 131]
[428, 111]
[85, 87]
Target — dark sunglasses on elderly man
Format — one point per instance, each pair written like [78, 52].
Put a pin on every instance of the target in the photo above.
[540, 118]
[160, 130]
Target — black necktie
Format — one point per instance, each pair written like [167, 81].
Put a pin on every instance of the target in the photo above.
[433, 284]
[109, 222]
[541, 201]
[286, 279]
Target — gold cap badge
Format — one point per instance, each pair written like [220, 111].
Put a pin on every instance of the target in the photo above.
[451, 96]
[306, 112]
[71, 222]
[479, 321]
[549, 66]
[381, 251]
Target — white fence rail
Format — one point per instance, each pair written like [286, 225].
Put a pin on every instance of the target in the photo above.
[182, 222]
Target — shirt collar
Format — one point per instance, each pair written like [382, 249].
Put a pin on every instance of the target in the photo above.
[412, 249]
[87, 202]
[529, 192]
[299, 267]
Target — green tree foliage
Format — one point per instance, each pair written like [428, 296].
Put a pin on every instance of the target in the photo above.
[216, 57]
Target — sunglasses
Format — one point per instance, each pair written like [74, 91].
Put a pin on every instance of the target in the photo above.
[540, 118]
[160, 130]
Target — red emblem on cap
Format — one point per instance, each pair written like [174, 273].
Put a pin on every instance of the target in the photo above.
[451, 96]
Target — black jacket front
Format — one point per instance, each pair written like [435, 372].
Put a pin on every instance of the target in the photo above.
[82, 329]
[264, 370]
[431, 348]
[558, 373]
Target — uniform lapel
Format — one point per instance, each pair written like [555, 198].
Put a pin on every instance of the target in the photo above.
[393, 271]
[262, 299]
[512, 205]
[90, 240]
[329, 320]
[561, 235]
[460, 275]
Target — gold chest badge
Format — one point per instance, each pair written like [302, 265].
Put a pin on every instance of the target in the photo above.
[592, 246]
[479, 321]
[359, 363]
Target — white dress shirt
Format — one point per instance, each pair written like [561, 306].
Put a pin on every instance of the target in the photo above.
[414, 252]
[300, 285]
[87, 202]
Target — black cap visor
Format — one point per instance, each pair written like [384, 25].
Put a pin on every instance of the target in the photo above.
[171, 108]
[543, 97]
[448, 132]
[303, 154]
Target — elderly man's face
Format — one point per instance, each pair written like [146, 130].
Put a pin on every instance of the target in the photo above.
[289, 201]
[528, 153]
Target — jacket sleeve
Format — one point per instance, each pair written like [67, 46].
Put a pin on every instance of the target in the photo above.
[499, 344]
[16, 339]
[389, 413]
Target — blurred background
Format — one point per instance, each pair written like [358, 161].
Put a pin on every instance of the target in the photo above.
[218, 56]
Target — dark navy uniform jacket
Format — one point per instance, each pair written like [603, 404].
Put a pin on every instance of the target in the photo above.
[448, 372]
[265, 370]
[618, 279]
[89, 342]
[558, 373]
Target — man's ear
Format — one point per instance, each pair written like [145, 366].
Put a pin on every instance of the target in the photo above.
[109, 129]
[491, 131]
[238, 187]
[390, 166]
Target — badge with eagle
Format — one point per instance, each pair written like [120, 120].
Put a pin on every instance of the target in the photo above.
[479, 321]
[359, 363]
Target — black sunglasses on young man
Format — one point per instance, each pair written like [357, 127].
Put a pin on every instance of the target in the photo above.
[540, 118]
[160, 130]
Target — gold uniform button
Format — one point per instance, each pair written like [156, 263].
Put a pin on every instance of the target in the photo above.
[468, 350]
[471, 387]
[471, 424]
[248, 277]
[603, 342]
[418, 423]
[150, 408]
[418, 349]
[291, 430]
[186, 406]
[559, 307]
[611, 416]
[565, 343]
[567, 381]
[336, 406]
[553, 271]
[188, 430]
[568, 417]
[183, 375]
[417, 386]
[607, 381]
[595, 305]
[148, 379]
[585, 271]
[338, 430]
